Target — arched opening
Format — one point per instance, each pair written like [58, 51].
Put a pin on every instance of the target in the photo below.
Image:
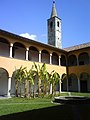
[72, 60]
[73, 82]
[63, 60]
[64, 82]
[45, 57]
[33, 54]
[19, 51]
[83, 58]
[51, 24]
[58, 23]
[4, 47]
[55, 59]
[3, 81]
[84, 82]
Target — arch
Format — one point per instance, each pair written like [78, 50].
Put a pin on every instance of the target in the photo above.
[55, 59]
[64, 82]
[45, 57]
[83, 58]
[72, 82]
[84, 82]
[72, 60]
[3, 81]
[19, 51]
[4, 47]
[33, 54]
[63, 60]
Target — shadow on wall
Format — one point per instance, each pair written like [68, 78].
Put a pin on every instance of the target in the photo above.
[60, 112]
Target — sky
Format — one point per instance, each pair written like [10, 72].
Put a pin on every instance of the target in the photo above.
[29, 18]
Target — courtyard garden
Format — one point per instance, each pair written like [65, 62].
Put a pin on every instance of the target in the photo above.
[10, 106]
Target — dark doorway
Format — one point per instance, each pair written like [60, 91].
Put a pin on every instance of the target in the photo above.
[83, 86]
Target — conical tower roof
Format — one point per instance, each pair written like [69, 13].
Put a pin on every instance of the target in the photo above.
[54, 12]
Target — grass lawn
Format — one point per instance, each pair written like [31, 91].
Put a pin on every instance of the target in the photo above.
[41, 106]
[15, 105]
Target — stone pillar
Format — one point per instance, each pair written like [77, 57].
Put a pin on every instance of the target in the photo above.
[27, 51]
[51, 89]
[60, 86]
[78, 85]
[9, 87]
[11, 46]
[77, 61]
[50, 58]
[59, 60]
[39, 56]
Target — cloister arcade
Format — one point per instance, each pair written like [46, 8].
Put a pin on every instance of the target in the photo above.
[82, 59]
[19, 50]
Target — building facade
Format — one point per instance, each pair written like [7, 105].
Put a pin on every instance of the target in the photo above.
[17, 51]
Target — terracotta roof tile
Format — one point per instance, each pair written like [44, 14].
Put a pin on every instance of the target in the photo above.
[77, 47]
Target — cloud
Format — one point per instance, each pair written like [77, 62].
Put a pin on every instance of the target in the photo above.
[27, 35]
[44, 35]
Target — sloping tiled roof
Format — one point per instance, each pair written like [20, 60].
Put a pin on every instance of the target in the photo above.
[3, 32]
[77, 47]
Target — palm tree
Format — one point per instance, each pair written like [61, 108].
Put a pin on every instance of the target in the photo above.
[41, 72]
[44, 77]
[54, 78]
[19, 76]
[29, 77]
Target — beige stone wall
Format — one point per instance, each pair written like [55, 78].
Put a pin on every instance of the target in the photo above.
[11, 64]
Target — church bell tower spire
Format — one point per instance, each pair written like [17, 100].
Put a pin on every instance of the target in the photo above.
[54, 28]
[54, 12]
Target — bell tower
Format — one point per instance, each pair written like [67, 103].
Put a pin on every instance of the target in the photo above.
[54, 28]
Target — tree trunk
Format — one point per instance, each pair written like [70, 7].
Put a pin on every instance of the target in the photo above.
[29, 89]
[16, 88]
[20, 89]
[33, 92]
[38, 87]
[26, 88]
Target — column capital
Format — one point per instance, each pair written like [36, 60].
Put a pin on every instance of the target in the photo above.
[59, 56]
[27, 49]
[40, 52]
[50, 54]
[11, 44]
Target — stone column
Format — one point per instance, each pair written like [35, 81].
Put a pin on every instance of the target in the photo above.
[59, 60]
[77, 61]
[78, 85]
[50, 58]
[60, 86]
[51, 89]
[27, 51]
[11, 46]
[39, 56]
[9, 87]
